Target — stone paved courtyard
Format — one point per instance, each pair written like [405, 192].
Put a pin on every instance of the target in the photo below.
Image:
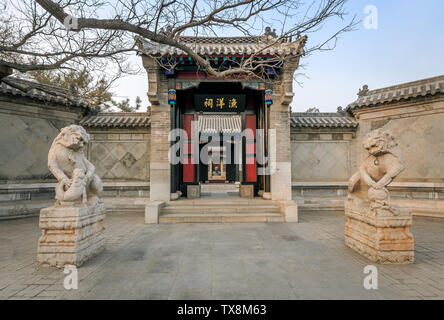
[222, 261]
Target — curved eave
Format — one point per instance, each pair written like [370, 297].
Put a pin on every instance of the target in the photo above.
[45, 98]
[373, 104]
[225, 46]
[405, 92]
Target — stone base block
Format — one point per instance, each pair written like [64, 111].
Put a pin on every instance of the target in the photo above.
[382, 238]
[266, 195]
[70, 235]
[193, 191]
[246, 191]
[152, 211]
[174, 196]
[289, 210]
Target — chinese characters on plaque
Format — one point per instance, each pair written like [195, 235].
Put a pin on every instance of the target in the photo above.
[219, 103]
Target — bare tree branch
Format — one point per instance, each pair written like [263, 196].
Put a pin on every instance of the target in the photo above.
[34, 34]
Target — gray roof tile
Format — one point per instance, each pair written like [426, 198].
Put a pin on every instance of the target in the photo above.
[420, 88]
[225, 45]
[34, 90]
[213, 123]
[117, 120]
[322, 120]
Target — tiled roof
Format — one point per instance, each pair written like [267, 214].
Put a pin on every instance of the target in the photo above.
[34, 90]
[322, 120]
[117, 120]
[215, 123]
[420, 88]
[225, 45]
[219, 123]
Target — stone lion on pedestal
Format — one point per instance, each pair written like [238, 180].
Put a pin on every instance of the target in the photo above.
[73, 228]
[368, 186]
[375, 228]
[77, 182]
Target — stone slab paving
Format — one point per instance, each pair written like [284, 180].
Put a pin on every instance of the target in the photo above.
[222, 261]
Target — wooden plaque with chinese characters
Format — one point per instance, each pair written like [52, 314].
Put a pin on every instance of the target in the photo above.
[219, 102]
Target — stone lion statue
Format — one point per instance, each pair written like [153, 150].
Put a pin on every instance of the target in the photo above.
[383, 164]
[77, 181]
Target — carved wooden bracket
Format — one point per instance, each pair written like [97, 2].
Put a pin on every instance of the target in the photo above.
[287, 93]
[152, 70]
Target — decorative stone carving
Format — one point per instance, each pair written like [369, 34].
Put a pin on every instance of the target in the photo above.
[72, 229]
[270, 33]
[193, 191]
[364, 91]
[375, 228]
[246, 191]
[75, 174]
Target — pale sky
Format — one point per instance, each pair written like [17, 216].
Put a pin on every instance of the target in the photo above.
[408, 45]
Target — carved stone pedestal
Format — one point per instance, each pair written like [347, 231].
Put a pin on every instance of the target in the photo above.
[70, 234]
[380, 235]
[246, 191]
[193, 191]
[375, 228]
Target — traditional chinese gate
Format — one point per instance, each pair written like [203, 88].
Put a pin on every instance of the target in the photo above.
[236, 114]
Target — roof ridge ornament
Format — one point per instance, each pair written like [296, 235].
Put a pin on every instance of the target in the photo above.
[270, 33]
[364, 91]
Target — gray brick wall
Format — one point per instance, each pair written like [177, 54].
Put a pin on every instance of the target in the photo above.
[120, 155]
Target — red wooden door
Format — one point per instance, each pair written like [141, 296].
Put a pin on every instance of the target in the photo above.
[188, 165]
[250, 149]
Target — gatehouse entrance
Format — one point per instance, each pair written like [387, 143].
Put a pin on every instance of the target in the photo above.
[181, 91]
[219, 122]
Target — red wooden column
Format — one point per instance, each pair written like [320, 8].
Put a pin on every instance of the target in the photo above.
[250, 149]
[188, 165]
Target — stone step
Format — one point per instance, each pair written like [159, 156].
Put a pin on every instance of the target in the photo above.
[220, 187]
[320, 204]
[320, 207]
[220, 217]
[125, 204]
[138, 209]
[23, 208]
[222, 202]
[220, 209]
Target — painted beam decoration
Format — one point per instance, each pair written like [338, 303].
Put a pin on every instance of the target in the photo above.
[172, 96]
[269, 97]
[219, 102]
